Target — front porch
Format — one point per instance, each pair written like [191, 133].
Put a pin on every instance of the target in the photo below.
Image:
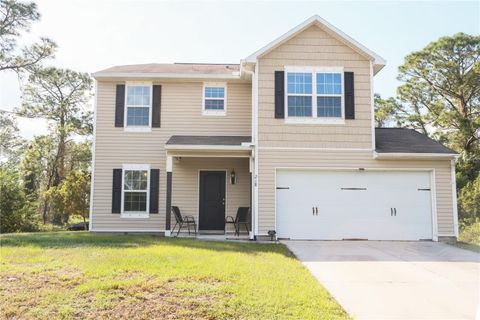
[208, 179]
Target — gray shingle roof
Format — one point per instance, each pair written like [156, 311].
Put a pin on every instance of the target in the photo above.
[209, 140]
[400, 140]
[180, 68]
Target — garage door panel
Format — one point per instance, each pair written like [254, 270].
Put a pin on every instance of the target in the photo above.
[351, 204]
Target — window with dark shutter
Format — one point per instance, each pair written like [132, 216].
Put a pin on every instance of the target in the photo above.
[349, 95]
[154, 190]
[119, 105]
[279, 94]
[117, 191]
[156, 105]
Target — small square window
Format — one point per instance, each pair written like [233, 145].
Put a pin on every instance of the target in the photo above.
[214, 100]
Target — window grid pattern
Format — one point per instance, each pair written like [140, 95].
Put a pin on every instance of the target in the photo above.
[329, 107]
[138, 105]
[299, 90]
[329, 95]
[135, 185]
[327, 90]
[214, 98]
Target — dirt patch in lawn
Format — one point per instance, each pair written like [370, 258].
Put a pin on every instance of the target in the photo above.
[57, 295]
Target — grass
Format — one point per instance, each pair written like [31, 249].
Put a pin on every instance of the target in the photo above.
[96, 276]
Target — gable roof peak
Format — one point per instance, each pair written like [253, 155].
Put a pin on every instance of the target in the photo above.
[378, 61]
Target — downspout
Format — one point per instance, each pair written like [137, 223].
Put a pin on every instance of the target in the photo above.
[372, 107]
[92, 178]
[254, 155]
[454, 197]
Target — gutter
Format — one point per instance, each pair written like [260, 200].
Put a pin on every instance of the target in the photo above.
[206, 147]
[143, 75]
[415, 156]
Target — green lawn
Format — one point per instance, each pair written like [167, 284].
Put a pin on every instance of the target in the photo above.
[82, 275]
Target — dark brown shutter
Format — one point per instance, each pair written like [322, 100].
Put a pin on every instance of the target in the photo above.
[279, 94]
[156, 105]
[117, 191]
[119, 105]
[154, 187]
[349, 95]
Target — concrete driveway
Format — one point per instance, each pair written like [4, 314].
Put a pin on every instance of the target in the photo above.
[395, 280]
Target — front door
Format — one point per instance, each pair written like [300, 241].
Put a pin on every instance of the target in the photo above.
[212, 201]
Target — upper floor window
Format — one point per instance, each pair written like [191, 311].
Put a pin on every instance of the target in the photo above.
[214, 99]
[315, 94]
[329, 95]
[299, 94]
[138, 105]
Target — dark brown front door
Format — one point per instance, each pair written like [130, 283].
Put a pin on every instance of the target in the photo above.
[212, 200]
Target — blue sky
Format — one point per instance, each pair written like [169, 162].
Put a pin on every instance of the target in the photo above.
[93, 35]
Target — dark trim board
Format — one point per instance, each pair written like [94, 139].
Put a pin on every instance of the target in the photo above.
[168, 201]
[212, 200]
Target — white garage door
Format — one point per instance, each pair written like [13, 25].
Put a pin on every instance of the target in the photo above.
[336, 205]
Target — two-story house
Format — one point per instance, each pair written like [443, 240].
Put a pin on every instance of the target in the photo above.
[288, 132]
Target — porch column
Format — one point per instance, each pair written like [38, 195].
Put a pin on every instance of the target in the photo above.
[168, 209]
[252, 220]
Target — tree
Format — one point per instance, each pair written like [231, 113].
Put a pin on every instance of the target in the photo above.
[469, 202]
[17, 17]
[386, 111]
[16, 212]
[442, 90]
[37, 170]
[71, 198]
[10, 141]
[61, 96]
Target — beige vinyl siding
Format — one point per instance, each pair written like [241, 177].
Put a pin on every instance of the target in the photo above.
[185, 185]
[181, 114]
[270, 159]
[314, 47]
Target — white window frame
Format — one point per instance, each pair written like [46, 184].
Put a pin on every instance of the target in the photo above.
[314, 119]
[138, 128]
[215, 112]
[135, 214]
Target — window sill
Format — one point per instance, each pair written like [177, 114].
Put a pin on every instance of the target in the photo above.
[215, 113]
[135, 215]
[308, 120]
[137, 129]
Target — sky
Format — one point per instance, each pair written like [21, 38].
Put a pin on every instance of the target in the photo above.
[94, 35]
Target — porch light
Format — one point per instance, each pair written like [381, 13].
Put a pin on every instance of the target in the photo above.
[233, 177]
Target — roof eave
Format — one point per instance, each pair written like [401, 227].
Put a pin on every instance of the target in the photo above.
[206, 147]
[411, 155]
[143, 75]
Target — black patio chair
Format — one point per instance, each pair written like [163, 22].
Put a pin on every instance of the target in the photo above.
[182, 221]
[242, 218]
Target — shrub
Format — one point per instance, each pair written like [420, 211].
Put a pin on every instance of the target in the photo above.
[469, 203]
[16, 212]
[471, 233]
